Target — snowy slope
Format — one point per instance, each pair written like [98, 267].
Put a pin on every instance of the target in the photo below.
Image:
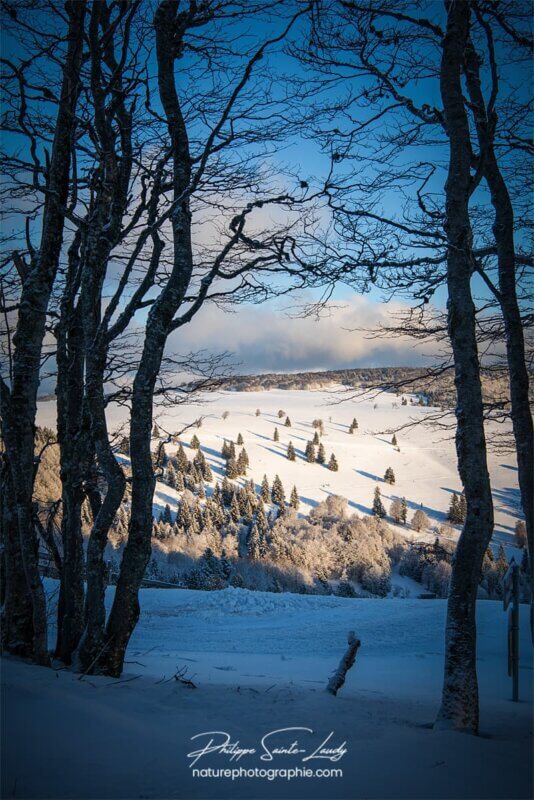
[425, 467]
[260, 662]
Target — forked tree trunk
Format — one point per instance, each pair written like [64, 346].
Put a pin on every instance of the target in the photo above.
[19, 409]
[459, 705]
[503, 230]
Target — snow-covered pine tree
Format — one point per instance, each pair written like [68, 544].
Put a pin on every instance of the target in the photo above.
[207, 474]
[453, 514]
[242, 462]
[258, 412]
[378, 507]
[170, 476]
[155, 432]
[294, 500]
[265, 492]
[389, 476]
[179, 486]
[231, 468]
[253, 544]
[404, 511]
[332, 464]
[225, 450]
[309, 453]
[501, 563]
[195, 443]
[287, 423]
[315, 439]
[321, 454]
[354, 424]
[181, 461]
[394, 441]
[124, 446]
[235, 512]
[278, 494]
[276, 435]
[231, 450]
[239, 439]
[201, 490]
[291, 452]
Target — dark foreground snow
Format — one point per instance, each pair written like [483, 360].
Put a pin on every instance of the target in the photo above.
[261, 662]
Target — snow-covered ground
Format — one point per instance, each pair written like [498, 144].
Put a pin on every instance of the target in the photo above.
[260, 663]
[425, 465]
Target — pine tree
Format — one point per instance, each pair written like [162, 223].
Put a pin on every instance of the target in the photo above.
[287, 423]
[309, 453]
[278, 494]
[181, 461]
[265, 492]
[354, 424]
[231, 450]
[231, 468]
[404, 511]
[155, 432]
[394, 441]
[291, 452]
[235, 512]
[201, 490]
[253, 544]
[378, 508]
[239, 439]
[166, 515]
[332, 464]
[281, 414]
[294, 500]
[453, 514]
[225, 450]
[501, 564]
[315, 440]
[276, 435]
[389, 476]
[195, 444]
[124, 446]
[170, 476]
[207, 473]
[462, 508]
[321, 455]
[258, 412]
[242, 462]
[180, 486]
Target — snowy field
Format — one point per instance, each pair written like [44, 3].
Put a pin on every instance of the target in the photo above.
[425, 466]
[260, 663]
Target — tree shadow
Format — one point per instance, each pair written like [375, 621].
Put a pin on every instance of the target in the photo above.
[376, 478]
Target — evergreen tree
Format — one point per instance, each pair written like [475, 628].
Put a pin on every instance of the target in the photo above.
[332, 464]
[287, 423]
[291, 452]
[253, 544]
[195, 444]
[124, 446]
[276, 435]
[389, 476]
[242, 462]
[404, 511]
[235, 512]
[155, 432]
[278, 494]
[315, 440]
[378, 508]
[207, 474]
[225, 451]
[170, 476]
[354, 425]
[258, 412]
[231, 450]
[180, 486]
[281, 414]
[294, 500]
[501, 564]
[265, 492]
[309, 453]
[201, 490]
[394, 441]
[453, 514]
[239, 439]
[321, 455]
[181, 461]
[231, 468]
[462, 507]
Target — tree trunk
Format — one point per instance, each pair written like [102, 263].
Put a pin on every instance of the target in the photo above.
[459, 706]
[125, 611]
[503, 230]
[36, 289]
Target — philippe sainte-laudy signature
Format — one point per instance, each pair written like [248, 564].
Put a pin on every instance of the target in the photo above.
[298, 742]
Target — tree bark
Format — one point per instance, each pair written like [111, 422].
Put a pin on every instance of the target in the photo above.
[125, 610]
[503, 230]
[19, 432]
[459, 705]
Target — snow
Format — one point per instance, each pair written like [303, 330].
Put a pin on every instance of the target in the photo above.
[261, 662]
[425, 466]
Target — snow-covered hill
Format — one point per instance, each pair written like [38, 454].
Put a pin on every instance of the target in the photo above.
[424, 466]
